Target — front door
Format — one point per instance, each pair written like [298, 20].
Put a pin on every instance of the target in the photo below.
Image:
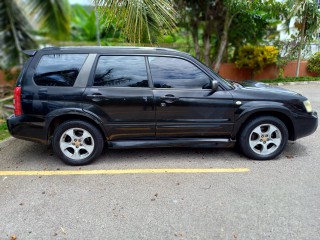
[186, 107]
[121, 95]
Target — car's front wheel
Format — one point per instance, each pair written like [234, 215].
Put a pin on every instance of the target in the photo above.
[77, 142]
[263, 138]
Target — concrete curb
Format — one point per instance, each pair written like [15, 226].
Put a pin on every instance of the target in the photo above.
[295, 83]
[6, 142]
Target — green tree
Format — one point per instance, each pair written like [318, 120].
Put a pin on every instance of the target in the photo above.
[139, 20]
[83, 24]
[52, 17]
[203, 20]
[16, 33]
[257, 26]
[232, 8]
[306, 15]
[216, 23]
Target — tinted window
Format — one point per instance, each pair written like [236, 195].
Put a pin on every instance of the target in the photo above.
[59, 69]
[177, 73]
[121, 71]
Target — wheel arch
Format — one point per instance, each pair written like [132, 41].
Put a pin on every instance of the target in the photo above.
[57, 120]
[240, 124]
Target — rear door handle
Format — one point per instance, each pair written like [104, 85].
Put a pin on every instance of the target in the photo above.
[96, 97]
[43, 90]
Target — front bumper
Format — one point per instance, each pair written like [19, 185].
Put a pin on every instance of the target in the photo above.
[305, 124]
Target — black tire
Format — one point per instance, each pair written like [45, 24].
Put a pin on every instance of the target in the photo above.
[87, 150]
[263, 150]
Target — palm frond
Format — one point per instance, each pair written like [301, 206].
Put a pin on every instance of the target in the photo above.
[140, 20]
[14, 34]
[53, 16]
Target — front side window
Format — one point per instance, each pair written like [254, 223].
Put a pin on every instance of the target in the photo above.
[59, 69]
[168, 72]
[121, 71]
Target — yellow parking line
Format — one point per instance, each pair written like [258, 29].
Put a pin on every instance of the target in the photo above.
[123, 171]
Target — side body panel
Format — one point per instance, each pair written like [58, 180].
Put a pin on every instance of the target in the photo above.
[194, 113]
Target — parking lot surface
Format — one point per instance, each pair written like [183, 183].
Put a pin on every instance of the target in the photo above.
[162, 193]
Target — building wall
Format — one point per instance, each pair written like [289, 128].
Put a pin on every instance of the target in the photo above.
[230, 71]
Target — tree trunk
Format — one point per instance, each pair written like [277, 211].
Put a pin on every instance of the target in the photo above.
[207, 48]
[207, 43]
[195, 38]
[224, 41]
[302, 39]
[97, 22]
[14, 33]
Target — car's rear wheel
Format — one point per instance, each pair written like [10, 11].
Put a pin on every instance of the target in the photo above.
[263, 138]
[77, 142]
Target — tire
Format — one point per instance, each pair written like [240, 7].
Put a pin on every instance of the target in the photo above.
[77, 143]
[263, 138]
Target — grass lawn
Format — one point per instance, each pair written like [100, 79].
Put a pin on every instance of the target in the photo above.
[4, 133]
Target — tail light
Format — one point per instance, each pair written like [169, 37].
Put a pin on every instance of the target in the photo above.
[17, 101]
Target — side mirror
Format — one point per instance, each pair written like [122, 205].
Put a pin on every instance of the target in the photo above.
[214, 85]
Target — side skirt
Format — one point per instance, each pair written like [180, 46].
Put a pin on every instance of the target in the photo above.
[173, 142]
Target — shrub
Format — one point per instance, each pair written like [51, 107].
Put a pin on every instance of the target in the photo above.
[256, 58]
[314, 63]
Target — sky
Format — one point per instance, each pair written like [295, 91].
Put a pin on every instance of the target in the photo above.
[83, 2]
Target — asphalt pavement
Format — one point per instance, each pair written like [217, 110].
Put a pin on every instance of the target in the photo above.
[277, 199]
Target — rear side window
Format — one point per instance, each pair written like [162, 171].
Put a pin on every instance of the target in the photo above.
[59, 69]
[121, 71]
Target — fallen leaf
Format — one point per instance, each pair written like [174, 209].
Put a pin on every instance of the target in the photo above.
[290, 156]
[13, 237]
[64, 232]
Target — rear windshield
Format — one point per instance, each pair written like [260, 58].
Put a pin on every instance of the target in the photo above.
[59, 69]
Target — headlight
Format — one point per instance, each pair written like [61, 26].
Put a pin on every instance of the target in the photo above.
[307, 105]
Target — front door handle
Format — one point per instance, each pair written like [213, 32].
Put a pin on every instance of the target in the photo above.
[169, 98]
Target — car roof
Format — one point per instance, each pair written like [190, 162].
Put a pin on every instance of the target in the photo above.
[110, 50]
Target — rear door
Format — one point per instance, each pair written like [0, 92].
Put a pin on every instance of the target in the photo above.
[121, 96]
[186, 107]
[49, 84]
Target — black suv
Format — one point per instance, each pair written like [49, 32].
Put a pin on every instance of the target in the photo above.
[81, 98]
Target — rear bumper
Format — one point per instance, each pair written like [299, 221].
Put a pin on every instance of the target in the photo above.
[24, 127]
[305, 124]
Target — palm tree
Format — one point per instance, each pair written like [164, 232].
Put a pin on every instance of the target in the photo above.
[16, 29]
[307, 17]
[53, 16]
[14, 33]
[140, 20]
